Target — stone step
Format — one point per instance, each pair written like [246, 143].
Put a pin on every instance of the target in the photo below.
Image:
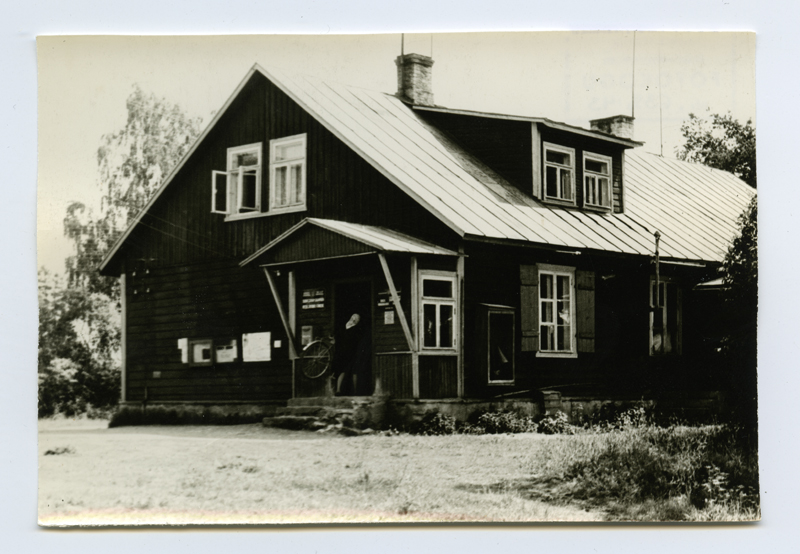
[293, 422]
[329, 401]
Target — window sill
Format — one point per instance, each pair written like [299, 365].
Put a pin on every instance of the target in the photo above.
[559, 202]
[598, 209]
[255, 215]
[501, 383]
[556, 354]
[438, 351]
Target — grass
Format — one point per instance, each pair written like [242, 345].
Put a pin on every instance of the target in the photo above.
[249, 474]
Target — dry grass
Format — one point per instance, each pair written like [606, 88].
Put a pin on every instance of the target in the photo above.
[248, 474]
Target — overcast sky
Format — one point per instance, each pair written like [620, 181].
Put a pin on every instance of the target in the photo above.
[568, 76]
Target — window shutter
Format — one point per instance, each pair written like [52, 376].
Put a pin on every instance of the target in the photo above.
[529, 307]
[584, 307]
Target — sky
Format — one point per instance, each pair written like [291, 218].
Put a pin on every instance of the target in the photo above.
[565, 76]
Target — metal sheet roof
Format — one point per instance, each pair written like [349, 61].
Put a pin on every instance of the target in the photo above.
[378, 238]
[694, 207]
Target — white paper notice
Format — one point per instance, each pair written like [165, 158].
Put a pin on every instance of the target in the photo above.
[388, 317]
[183, 346]
[256, 347]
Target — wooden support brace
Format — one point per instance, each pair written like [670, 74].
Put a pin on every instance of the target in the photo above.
[286, 326]
[396, 301]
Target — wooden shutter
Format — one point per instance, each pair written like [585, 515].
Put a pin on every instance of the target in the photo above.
[584, 309]
[529, 307]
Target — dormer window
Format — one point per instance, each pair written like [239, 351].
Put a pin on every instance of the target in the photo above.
[597, 180]
[559, 173]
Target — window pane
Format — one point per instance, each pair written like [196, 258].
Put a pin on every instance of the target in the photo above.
[446, 326]
[563, 313]
[501, 347]
[591, 196]
[221, 192]
[564, 338]
[280, 186]
[605, 197]
[249, 193]
[597, 167]
[434, 288]
[551, 188]
[547, 312]
[562, 289]
[246, 158]
[566, 184]
[290, 151]
[201, 352]
[297, 184]
[429, 324]
[546, 337]
[545, 286]
[558, 157]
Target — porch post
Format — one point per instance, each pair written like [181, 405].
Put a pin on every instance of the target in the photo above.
[396, 301]
[282, 313]
[415, 325]
[293, 319]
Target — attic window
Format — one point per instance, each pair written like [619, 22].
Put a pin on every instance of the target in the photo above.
[597, 180]
[288, 173]
[559, 171]
[238, 190]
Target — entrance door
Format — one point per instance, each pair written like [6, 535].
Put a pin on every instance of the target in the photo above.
[353, 357]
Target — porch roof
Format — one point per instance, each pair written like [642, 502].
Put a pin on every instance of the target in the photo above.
[321, 239]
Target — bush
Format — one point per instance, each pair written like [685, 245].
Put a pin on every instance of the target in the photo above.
[158, 415]
[435, 423]
[504, 422]
[557, 423]
[638, 464]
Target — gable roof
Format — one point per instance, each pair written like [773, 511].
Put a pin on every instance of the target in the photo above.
[360, 239]
[694, 207]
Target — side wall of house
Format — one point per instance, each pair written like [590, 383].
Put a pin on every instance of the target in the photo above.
[181, 261]
[212, 300]
[619, 363]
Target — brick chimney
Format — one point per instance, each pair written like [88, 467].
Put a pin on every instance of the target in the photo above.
[414, 79]
[618, 125]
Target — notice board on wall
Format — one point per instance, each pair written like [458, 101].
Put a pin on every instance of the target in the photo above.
[257, 347]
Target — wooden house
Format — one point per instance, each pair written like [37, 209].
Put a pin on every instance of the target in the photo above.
[491, 257]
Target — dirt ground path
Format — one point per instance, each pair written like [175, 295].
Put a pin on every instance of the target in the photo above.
[250, 474]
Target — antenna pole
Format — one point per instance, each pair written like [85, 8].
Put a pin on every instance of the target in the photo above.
[633, 75]
[431, 45]
[402, 44]
[660, 109]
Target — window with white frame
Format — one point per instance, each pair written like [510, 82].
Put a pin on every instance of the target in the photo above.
[438, 310]
[556, 310]
[596, 180]
[287, 164]
[559, 172]
[238, 190]
[665, 318]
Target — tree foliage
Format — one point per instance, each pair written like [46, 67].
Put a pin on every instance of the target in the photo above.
[721, 142]
[79, 319]
[131, 163]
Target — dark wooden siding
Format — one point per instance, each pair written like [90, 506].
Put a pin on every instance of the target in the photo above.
[438, 377]
[503, 145]
[313, 243]
[394, 373]
[217, 301]
[620, 361]
[180, 227]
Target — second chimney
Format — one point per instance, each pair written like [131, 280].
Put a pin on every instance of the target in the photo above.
[618, 125]
[414, 79]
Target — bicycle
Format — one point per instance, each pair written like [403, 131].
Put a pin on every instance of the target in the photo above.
[317, 357]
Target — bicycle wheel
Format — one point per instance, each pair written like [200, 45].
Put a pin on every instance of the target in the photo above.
[316, 359]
